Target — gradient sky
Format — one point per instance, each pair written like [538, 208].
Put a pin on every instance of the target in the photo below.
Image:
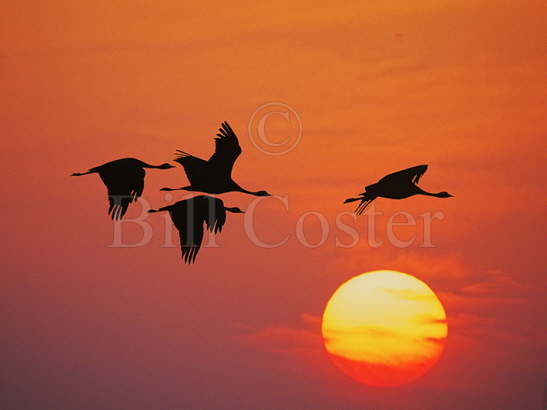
[379, 86]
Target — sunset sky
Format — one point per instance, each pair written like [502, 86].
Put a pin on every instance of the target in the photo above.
[377, 86]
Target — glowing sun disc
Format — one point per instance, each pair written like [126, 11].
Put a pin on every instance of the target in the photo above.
[384, 328]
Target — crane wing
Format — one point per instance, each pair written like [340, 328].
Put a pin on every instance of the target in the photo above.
[227, 150]
[216, 215]
[190, 241]
[189, 217]
[189, 222]
[194, 167]
[409, 175]
[124, 185]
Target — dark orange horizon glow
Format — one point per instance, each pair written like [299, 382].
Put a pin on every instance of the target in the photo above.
[378, 87]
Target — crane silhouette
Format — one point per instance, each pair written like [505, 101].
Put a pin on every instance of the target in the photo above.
[399, 185]
[215, 175]
[189, 216]
[124, 180]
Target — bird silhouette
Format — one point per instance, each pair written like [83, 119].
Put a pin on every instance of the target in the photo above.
[215, 175]
[189, 216]
[399, 185]
[124, 179]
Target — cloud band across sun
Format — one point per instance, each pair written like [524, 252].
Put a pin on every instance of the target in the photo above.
[384, 328]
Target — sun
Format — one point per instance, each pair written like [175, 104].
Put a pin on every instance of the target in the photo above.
[384, 328]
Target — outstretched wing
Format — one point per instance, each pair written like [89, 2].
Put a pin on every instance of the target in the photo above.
[216, 214]
[124, 185]
[227, 150]
[190, 241]
[189, 222]
[409, 175]
[195, 168]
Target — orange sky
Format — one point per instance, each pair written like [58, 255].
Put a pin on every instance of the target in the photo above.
[379, 86]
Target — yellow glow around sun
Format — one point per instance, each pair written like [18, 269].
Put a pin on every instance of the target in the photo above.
[384, 327]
